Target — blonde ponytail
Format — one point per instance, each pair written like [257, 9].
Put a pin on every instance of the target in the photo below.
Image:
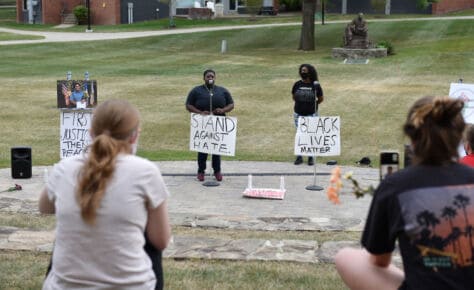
[114, 122]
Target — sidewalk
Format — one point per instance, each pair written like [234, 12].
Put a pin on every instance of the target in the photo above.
[222, 207]
[50, 36]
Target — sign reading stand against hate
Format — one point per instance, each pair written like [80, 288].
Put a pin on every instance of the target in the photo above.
[74, 132]
[213, 134]
[318, 136]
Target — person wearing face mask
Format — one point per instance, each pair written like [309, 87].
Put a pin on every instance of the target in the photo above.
[307, 95]
[110, 208]
[199, 101]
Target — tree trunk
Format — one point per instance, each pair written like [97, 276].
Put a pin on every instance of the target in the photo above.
[171, 5]
[388, 5]
[307, 28]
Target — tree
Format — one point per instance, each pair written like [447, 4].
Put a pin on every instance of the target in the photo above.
[307, 27]
[171, 7]
[253, 7]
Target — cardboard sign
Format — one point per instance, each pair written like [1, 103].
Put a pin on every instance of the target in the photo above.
[74, 132]
[464, 92]
[213, 134]
[318, 136]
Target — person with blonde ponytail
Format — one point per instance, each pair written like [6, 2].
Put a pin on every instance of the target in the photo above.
[105, 202]
[426, 210]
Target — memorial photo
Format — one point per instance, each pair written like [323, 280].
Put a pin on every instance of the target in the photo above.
[76, 94]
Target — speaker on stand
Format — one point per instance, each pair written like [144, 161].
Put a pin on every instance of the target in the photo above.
[21, 162]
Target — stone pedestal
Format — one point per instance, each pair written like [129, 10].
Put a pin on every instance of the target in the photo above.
[219, 7]
[354, 53]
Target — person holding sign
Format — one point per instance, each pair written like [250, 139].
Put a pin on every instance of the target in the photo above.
[425, 208]
[307, 95]
[108, 203]
[209, 99]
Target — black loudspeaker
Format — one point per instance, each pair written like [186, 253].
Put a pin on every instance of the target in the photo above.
[21, 162]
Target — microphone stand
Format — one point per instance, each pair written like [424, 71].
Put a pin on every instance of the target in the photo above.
[210, 183]
[314, 186]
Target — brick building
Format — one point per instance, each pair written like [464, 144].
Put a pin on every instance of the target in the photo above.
[109, 12]
[103, 12]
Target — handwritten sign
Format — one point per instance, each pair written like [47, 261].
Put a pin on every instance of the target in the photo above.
[318, 136]
[74, 126]
[213, 134]
[464, 92]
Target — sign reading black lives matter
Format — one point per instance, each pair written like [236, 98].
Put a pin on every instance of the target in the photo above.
[74, 132]
[318, 136]
[213, 134]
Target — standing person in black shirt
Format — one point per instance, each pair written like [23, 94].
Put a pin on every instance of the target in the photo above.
[199, 101]
[428, 208]
[307, 94]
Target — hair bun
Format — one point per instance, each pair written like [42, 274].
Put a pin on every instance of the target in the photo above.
[445, 109]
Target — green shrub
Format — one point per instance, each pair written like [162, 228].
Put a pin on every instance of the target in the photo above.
[291, 5]
[423, 4]
[80, 11]
[386, 44]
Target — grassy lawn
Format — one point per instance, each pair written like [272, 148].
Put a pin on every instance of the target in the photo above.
[5, 36]
[26, 270]
[259, 68]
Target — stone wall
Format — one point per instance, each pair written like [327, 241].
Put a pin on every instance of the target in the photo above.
[356, 53]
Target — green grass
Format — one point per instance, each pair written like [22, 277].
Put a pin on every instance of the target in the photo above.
[259, 68]
[26, 270]
[5, 36]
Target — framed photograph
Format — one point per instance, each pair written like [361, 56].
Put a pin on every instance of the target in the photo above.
[77, 94]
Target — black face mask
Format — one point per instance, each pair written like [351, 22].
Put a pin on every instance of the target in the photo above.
[304, 75]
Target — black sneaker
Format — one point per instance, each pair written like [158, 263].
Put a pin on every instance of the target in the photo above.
[310, 161]
[298, 160]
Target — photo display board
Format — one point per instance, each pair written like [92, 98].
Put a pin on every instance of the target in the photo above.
[213, 134]
[76, 94]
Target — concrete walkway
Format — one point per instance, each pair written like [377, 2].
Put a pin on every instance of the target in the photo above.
[223, 207]
[50, 36]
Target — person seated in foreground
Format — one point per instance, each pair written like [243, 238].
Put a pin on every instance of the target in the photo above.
[105, 202]
[427, 208]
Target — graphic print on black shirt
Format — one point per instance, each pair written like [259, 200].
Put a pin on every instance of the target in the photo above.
[439, 224]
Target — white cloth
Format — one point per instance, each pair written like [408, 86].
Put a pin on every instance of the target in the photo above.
[110, 254]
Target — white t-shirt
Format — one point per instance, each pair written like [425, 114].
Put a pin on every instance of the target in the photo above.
[110, 254]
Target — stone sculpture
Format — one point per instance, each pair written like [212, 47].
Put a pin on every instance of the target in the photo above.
[355, 35]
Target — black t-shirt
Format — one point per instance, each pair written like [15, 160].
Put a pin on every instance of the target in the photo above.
[430, 211]
[200, 97]
[305, 97]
